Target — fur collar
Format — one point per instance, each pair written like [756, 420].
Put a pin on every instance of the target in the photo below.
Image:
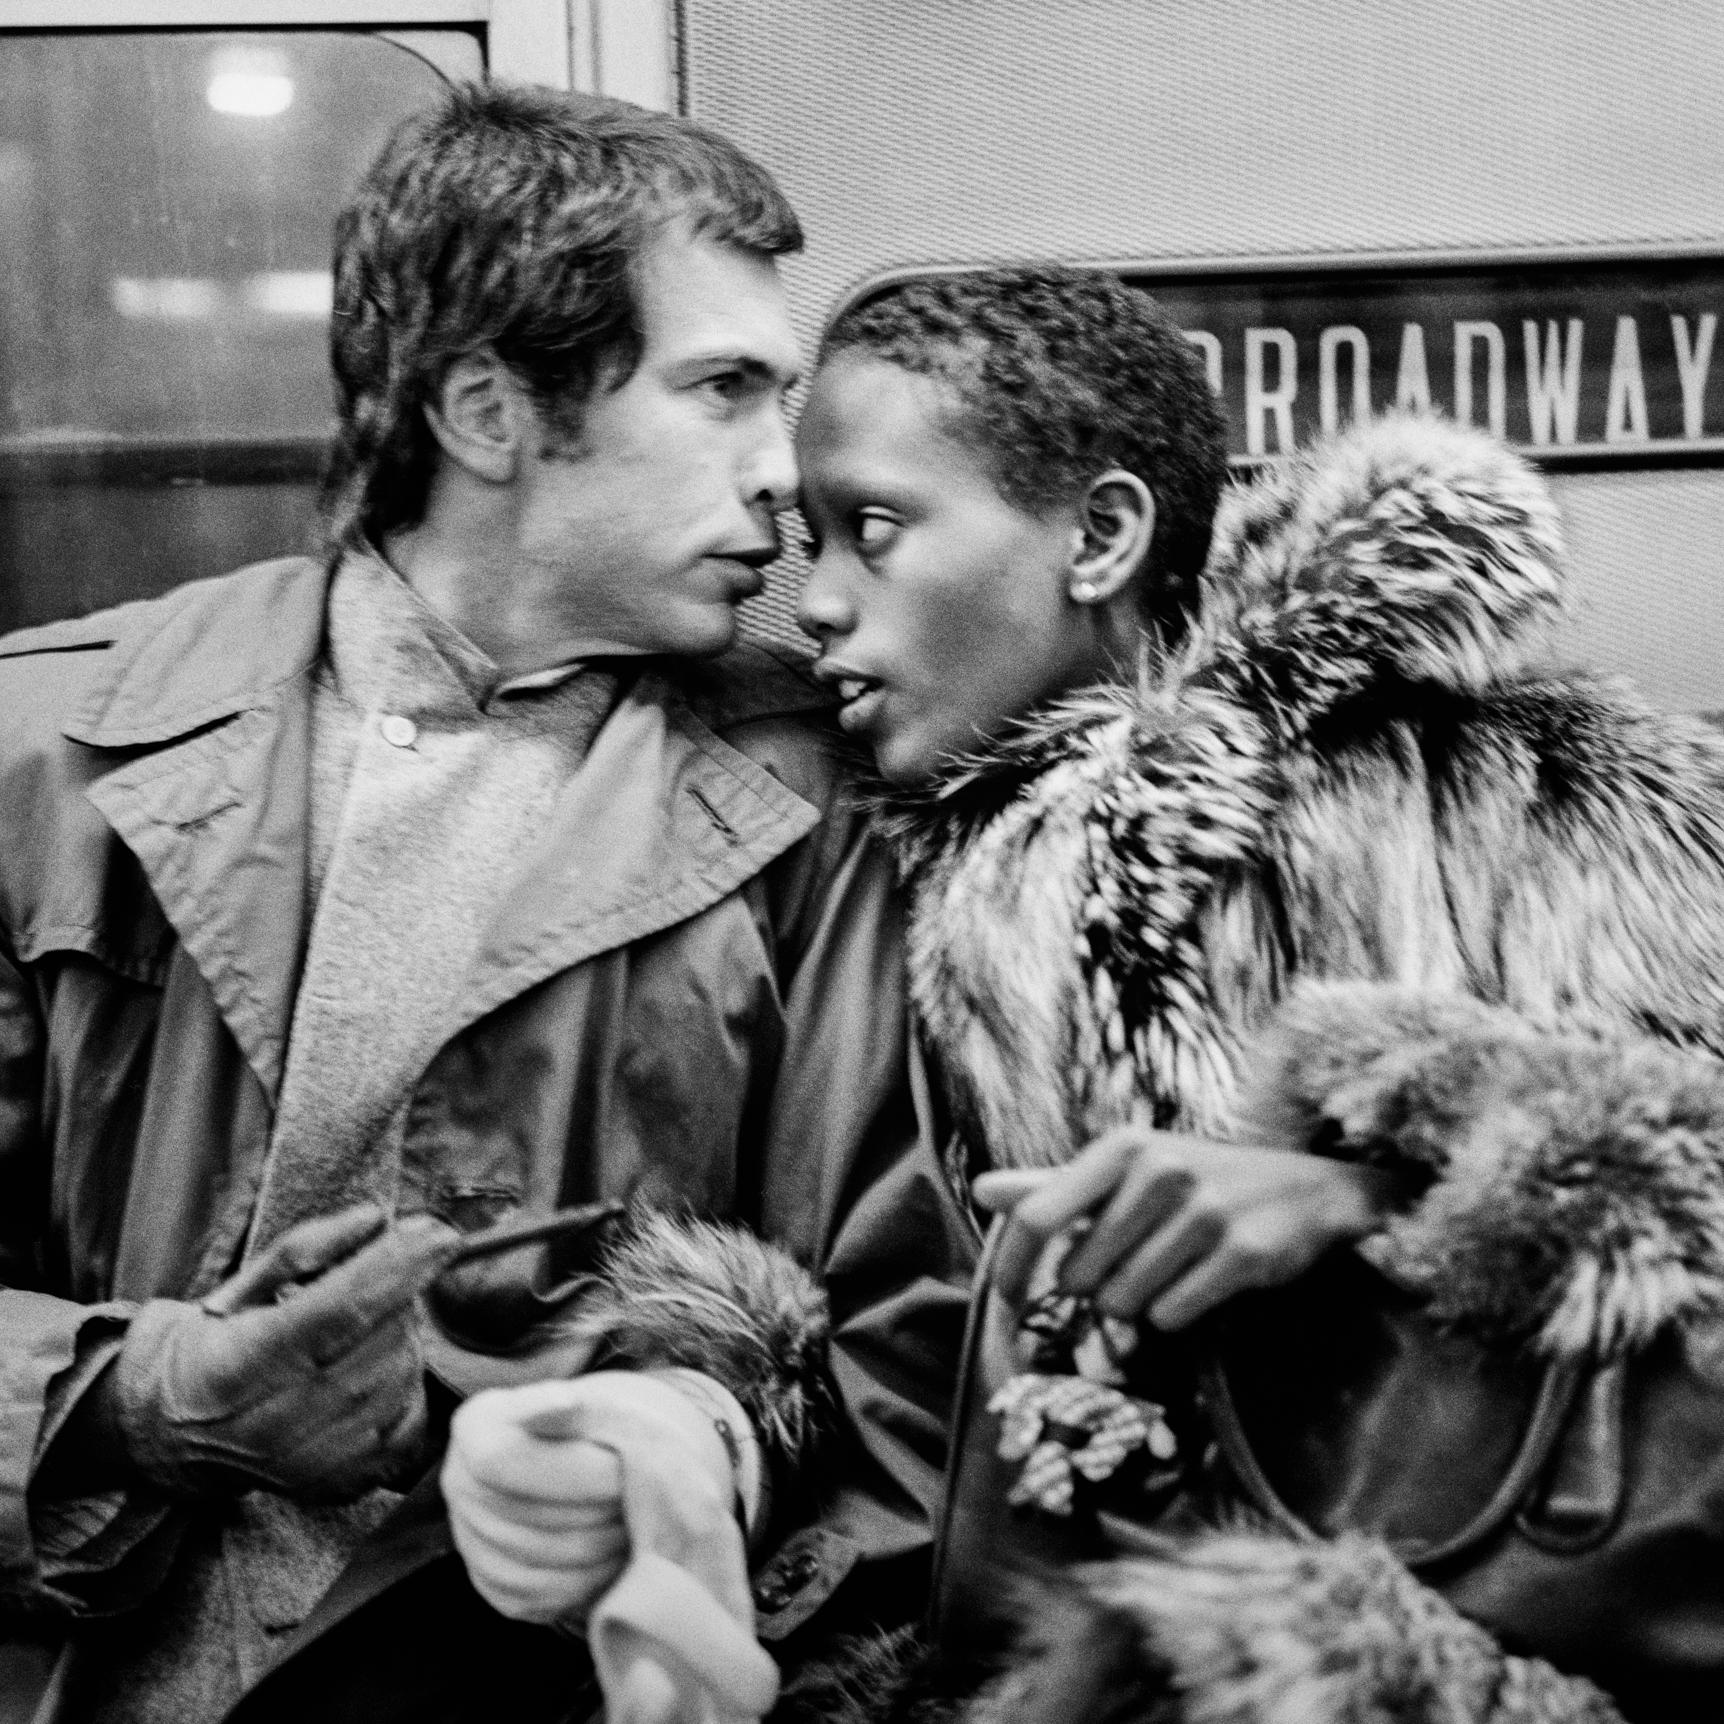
[1065, 878]
[1351, 773]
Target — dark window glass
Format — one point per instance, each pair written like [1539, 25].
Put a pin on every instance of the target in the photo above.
[165, 212]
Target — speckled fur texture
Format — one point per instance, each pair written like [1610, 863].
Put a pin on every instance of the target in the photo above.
[1235, 1628]
[1574, 1197]
[1355, 771]
[1353, 872]
[675, 1291]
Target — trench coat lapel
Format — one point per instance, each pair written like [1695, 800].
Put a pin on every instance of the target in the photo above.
[206, 703]
[662, 821]
[208, 710]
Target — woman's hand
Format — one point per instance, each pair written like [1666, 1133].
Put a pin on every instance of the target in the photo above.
[1179, 1224]
[539, 1497]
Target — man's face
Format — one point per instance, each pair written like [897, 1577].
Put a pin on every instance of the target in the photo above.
[654, 528]
[941, 607]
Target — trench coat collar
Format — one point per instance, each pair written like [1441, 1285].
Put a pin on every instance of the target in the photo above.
[206, 651]
[207, 692]
[208, 695]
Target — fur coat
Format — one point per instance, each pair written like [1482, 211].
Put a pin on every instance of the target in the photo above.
[1355, 870]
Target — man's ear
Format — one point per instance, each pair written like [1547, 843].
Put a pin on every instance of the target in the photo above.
[481, 416]
[1116, 523]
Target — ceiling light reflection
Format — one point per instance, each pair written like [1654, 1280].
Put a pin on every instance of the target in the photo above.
[254, 94]
[172, 298]
[291, 292]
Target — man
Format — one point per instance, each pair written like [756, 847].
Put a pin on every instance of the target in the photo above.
[349, 906]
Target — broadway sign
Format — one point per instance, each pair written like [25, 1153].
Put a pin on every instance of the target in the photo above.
[1584, 361]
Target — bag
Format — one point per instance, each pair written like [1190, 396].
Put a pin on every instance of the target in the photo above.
[1577, 1512]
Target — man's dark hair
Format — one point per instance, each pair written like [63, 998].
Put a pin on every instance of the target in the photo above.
[1055, 375]
[514, 217]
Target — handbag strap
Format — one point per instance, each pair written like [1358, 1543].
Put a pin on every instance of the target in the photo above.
[969, 1390]
[1558, 1388]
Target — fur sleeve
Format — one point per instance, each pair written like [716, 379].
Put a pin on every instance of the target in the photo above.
[672, 1291]
[1237, 1628]
[1609, 898]
[1572, 1183]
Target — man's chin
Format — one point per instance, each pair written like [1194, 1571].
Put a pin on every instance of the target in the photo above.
[721, 638]
[705, 635]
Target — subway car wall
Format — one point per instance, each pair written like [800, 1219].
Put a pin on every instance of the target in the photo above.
[1274, 146]
[1304, 184]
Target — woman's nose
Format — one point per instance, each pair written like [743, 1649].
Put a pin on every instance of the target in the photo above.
[824, 610]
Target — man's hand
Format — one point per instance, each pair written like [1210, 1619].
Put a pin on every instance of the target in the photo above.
[1178, 1224]
[302, 1373]
[536, 1493]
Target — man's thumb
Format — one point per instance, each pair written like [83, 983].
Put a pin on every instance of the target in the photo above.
[302, 1253]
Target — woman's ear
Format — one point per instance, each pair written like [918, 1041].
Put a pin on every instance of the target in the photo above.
[481, 416]
[1117, 521]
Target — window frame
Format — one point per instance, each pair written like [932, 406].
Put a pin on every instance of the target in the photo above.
[526, 39]
[625, 48]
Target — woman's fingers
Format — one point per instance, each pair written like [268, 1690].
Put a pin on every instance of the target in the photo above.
[517, 1443]
[1054, 1205]
[1157, 1182]
[1004, 1188]
[1169, 1226]
[537, 1519]
[1192, 1240]
[1208, 1283]
[546, 1548]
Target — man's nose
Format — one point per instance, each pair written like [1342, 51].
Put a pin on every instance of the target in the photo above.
[772, 477]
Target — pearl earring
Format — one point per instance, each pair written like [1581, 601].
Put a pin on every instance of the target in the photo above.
[1083, 591]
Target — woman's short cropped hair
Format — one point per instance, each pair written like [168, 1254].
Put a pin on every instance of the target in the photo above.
[1056, 374]
[510, 217]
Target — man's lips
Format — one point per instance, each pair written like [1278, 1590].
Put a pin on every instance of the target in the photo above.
[745, 574]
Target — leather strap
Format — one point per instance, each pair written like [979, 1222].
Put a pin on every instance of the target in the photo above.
[1558, 1389]
[1583, 1495]
[964, 1410]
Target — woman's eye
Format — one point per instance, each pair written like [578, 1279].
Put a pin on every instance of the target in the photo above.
[873, 530]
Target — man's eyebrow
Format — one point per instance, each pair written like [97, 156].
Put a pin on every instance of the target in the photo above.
[751, 365]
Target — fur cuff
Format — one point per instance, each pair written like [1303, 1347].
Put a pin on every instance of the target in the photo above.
[1574, 1183]
[671, 1291]
[861, 1679]
[1237, 1628]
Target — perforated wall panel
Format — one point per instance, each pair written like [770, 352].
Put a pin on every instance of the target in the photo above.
[923, 131]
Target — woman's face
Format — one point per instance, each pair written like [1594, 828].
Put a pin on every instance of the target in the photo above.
[941, 609]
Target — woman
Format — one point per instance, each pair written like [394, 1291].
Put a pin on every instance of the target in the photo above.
[1136, 810]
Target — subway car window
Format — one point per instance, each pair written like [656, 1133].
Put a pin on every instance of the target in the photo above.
[165, 211]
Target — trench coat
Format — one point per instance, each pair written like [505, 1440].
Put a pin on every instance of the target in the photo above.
[695, 1002]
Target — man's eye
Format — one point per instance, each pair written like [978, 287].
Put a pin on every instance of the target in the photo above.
[726, 386]
[874, 531]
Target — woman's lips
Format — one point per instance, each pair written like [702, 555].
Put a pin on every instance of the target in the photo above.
[861, 699]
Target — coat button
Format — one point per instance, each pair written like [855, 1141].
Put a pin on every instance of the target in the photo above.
[784, 1577]
[397, 731]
